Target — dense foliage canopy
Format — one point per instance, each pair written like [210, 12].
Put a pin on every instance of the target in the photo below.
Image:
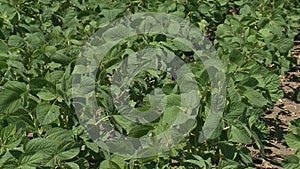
[41, 40]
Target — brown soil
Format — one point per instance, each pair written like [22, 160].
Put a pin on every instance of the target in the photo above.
[279, 118]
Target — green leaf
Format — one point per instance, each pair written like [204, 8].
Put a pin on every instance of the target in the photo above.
[200, 162]
[69, 154]
[245, 155]
[238, 134]
[38, 84]
[294, 127]
[10, 97]
[40, 144]
[139, 130]
[147, 25]
[35, 40]
[169, 117]
[106, 164]
[223, 2]
[292, 140]
[38, 151]
[3, 47]
[245, 10]
[116, 33]
[272, 82]
[283, 44]
[34, 160]
[10, 101]
[82, 162]
[173, 28]
[133, 129]
[236, 111]
[12, 165]
[111, 14]
[255, 98]
[16, 41]
[291, 162]
[47, 113]
[8, 159]
[60, 135]
[16, 86]
[73, 165]
[223, 31]
[229, 150]
[10, 138]
[181, 46]
[230, 164]
[92, 145]
[46, 95]
[249, 82]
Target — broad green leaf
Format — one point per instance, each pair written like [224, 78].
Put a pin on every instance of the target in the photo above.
[255, 98]
[147, 25]
[284, 44]
[35, 40]
[168, 118]
[60, 135]
[223, 31]
[16, 41]
[72, 165]
[10, 101]
[3, 47]
[69, 154]
[180, 45]
[272, 82]
[10, 97]
[16, 86]
[10, 138]
[116, 33]
[8, 159]
[111, 14]
[236, 111]
[106, 164]
[250, 82]
[245, 155]
[7, 11]
[46, 95]
[139, 130]
[236, 56]
[92, 145]
[47, 113]
[230, 164]
[40, 144]
[267, 35]
[294, 127]
[38, 84]
[204, 8]
[82, 162]
[238, 134]
[229, 150]
[120, 160]
[133, 129]
[292, 140]
[33, 160]
[173, 28]
[198, 161]
[291, 162]
[12, 165]
[223, 2]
